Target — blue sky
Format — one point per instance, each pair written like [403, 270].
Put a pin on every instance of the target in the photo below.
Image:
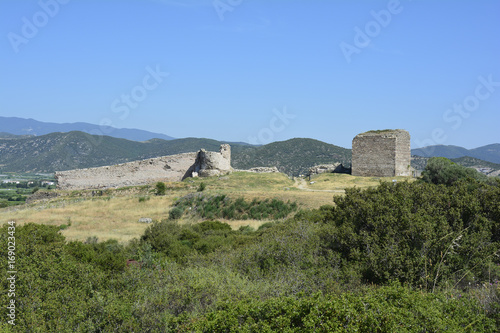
[257, 71]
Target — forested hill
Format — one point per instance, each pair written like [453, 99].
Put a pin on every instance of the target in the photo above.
[293, 156]
[74, 150]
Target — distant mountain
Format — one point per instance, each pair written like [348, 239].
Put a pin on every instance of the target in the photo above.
[490, 153]
[4, 135]
[22, 126]
[472, 162]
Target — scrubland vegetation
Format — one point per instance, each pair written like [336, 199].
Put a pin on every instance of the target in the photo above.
[421, 256]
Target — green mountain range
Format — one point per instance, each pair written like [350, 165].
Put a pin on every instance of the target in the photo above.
[74, 150]
[294, 156]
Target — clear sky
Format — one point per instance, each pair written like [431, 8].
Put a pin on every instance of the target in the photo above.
[257, 70]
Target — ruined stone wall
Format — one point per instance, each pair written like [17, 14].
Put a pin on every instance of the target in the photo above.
[381, 154]
[403, 154]
[209, 163]
[164, 168]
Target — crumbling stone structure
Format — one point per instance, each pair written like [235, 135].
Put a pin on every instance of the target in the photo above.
[209, 163]
[328, 168]
[384, 153]
[164, 168]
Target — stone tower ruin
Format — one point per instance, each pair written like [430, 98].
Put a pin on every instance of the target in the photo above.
[225, 150]
[381, 153]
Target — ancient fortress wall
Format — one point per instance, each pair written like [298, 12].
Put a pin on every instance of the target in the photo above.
[403, 154]
[164, 168]
[209, 163]
[381, 154]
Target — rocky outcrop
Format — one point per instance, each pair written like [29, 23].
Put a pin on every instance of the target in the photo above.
[41, 196]
[328, 168]
[210, 163]
[262, 170]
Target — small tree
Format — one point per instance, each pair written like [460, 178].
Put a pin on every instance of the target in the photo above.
[202, 187]
[160, 188]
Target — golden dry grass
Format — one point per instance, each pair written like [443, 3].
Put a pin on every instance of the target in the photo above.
[116, 213]
[340, 181]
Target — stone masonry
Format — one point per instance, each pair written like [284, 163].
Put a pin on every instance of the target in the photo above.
[383, 153]
[164, 168]
[209, 163]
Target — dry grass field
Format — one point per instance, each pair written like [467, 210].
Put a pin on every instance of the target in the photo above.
[115, 214]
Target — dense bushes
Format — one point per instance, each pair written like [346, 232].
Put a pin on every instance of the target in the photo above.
[176, 241]
[408, 257]
[221, 206]
[387, 309]
[420, 234]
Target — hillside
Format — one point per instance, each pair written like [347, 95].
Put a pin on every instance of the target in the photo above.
[5, 135]
[490, 153]
[74, 150]
[22, 126]
[293, 156]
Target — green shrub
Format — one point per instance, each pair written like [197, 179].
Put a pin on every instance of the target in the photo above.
[202, 187]
[205, 226]
[246, 229]
[440, 170]
[221, 206]
[175, 213]
[160, 188]
[418, 233]
[386, 309]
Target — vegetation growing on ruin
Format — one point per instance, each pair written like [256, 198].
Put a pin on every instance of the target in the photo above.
[379, 131]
